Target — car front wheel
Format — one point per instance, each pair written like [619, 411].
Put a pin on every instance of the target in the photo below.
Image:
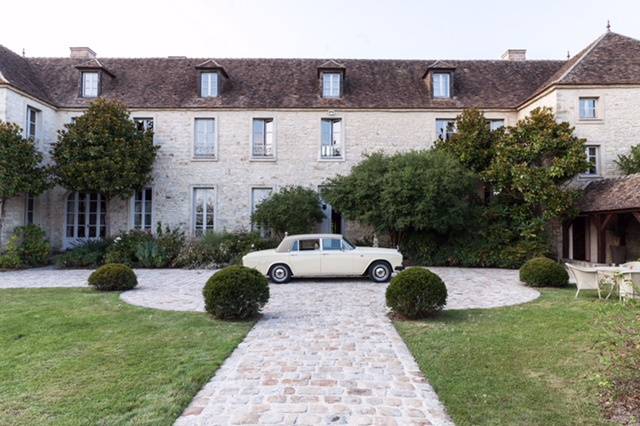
[380, 272]
[280, 274]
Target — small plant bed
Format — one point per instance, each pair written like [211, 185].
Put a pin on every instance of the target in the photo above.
[550, 362]
[77, 356]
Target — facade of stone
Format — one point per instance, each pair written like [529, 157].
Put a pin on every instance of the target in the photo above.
[390, 114]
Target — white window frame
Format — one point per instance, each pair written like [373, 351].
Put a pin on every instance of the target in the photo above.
[263, 232]
[144, 226]
[339, 141]
[441, 83]
[89, 89]
[447, 134]
[148, 123]
[29, 133]
[597, 162]
[586, 112]
[205, 157]
[215, 213]
[264, 120]
[100, 226]
[209, 84]
[331, 85]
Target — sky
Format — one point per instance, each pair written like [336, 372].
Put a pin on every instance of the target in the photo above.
[399, 29]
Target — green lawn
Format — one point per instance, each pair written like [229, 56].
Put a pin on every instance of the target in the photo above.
[536, 364]
[75, 356]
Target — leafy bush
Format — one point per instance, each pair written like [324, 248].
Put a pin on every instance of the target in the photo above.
[113, 277]
[416, 293]
[236, 292]
[543, 272]
[294, 209]
[124, 248]
[630, 163]
[90, 254]
[216, 249]
[28, 246]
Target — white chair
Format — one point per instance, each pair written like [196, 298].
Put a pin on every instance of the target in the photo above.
[630, 285]
[631, 265]
[586, 278]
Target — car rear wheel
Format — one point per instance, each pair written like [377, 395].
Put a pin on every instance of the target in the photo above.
[380, 272]
[280, 274]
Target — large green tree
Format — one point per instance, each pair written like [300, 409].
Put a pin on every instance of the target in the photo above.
[21, 168]
[630, 163]
[418, 191]
[293, 210]
[103, 151]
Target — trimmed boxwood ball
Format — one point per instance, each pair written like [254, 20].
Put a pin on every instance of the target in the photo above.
[236, 292]
[416, 293]
[113, 277]
[543, 272]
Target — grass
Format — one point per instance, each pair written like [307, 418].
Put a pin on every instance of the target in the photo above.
[76, 356]
[535, 364]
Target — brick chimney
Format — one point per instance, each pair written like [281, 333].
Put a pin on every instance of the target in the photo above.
[515, 55]
[81, 53]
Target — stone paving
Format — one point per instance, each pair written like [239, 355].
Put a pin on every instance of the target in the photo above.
[324, 352]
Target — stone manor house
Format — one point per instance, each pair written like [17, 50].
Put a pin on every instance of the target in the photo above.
[231, 131]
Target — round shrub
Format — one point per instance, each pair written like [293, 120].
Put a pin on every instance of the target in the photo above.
[543, 272]
[113, 277]
[235, 292]
[416, 293]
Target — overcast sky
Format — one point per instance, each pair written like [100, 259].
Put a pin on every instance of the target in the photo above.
[458, 29]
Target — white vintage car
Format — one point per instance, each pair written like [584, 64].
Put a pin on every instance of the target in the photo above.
[323, 255]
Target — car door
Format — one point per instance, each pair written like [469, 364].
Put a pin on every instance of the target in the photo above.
[304, 258]
[338, 259]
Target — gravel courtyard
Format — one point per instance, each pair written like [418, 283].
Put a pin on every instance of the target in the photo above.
[324, 351]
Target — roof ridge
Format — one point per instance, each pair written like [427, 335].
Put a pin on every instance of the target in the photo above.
[585, 53]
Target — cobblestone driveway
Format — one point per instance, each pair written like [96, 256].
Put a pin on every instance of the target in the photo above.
[323, 353]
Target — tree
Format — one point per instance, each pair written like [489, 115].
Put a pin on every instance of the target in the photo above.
[104, 152]
[294, 209]
[630, 163]
[428, 191]
[534, 160]
[473, 143]
[21, 169]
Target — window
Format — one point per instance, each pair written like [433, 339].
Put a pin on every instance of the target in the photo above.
[306, 245]
[203, 210]
[262, 144]
[86, 214]
[142, 207]
[90, 84]
[29, 209]
[32, 123]
[441, 85]
[495, 124]
[258, 195]
[445, 128]
[209, 84]
[331, 244]
[205, 138]
[331, 143]
[331, 84]
[593, 154]
[588, 108]
[144, 124]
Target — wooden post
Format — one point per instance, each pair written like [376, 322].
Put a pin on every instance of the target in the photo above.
[565, 239]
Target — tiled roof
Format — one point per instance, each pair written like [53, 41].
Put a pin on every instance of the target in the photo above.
[621, 193]
[611, 59]
[293, 83]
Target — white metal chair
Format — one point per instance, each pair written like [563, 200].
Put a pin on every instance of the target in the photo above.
[586, 278]
[631, 265]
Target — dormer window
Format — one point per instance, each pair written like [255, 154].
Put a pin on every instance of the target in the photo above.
[441, 84]
[331, 84]
[90, 84]
[209, 84]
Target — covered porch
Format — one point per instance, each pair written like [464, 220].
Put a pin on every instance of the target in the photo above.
[607, 230]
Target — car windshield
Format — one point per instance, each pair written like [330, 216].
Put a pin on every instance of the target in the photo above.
[348, 245]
